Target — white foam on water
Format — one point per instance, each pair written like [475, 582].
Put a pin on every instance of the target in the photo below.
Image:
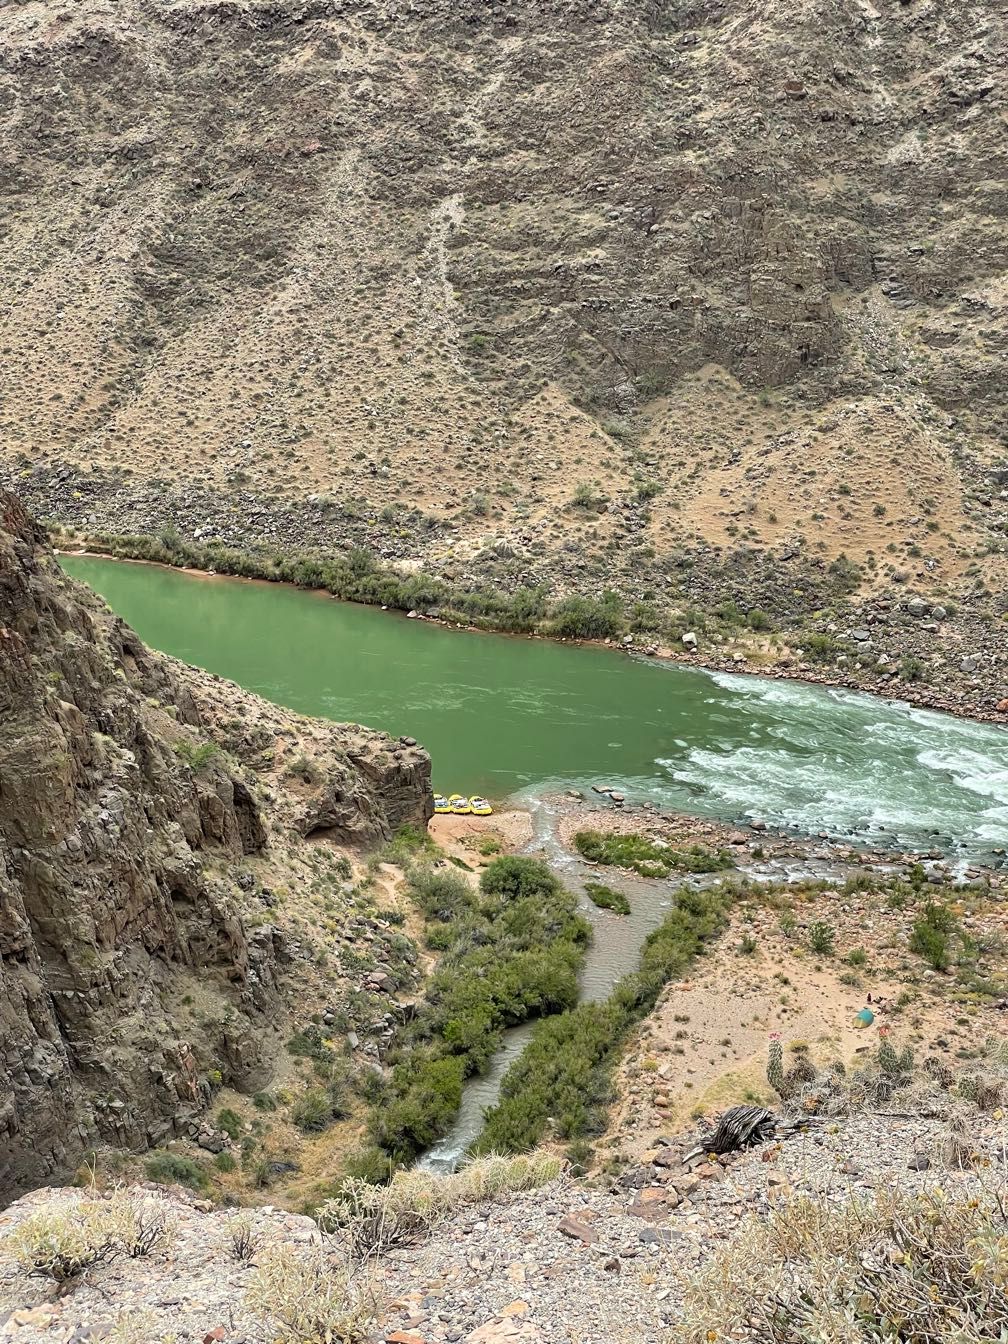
[834, 759]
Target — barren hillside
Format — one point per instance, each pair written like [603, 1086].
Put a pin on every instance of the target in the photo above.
[583, 285]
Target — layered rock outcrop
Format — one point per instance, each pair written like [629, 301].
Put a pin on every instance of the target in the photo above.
[122, 829]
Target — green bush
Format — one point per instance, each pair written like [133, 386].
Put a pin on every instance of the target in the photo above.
[930, 936]
[561, 1082]
[309, 1043]
[822, 938]
[587, 618]
[648, 858]
[313, 1111]
[174, 1169]
[429, 1093]
[229, 1121]
[196, 756]
[511, 950]
[822, 648]
[607, 899]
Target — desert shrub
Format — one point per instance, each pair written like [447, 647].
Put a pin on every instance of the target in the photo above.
[912, 669]
[229, 1121]
[308, 1042]
[175, 1169]
[822, 648]
[61, 1243]
[313, 1111]
[930, 936]
[375, 1218]
[196, 755]
[788, 923]
[241, 1233]
[310, 1298]
[588, 497]
[822, 938]
[607, 899]
[647, 857]
[586, 618]
[442, 895]
[788, 1084]
[896, 1266]
[304, 769]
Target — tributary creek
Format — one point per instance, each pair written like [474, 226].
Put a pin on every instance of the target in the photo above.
[508, 716]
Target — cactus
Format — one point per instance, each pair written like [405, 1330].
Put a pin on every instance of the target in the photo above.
[940, 1071]
[985, 1092]
[801, 1072]
[775, 1068]
[892, 1061]
[788, 1085]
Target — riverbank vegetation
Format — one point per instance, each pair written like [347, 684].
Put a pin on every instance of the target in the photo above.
[607, 899]
[561, 1083]
[356, 574]
[649, 858]
[509, 950]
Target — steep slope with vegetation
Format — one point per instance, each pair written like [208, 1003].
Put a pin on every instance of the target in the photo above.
[144, 962]
[701, 303]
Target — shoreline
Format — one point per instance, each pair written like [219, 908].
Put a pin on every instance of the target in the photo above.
[513, 823]
[913, 695]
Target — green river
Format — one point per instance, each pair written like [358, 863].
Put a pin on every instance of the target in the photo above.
[505, 715]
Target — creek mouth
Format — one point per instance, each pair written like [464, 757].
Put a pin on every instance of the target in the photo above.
[613, 952]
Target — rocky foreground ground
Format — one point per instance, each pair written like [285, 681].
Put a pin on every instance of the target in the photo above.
[575, 1262]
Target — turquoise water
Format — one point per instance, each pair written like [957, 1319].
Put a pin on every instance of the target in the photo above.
[502, 715]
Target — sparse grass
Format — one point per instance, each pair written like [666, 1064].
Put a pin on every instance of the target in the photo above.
[409, 844]
[375, 1217]
[312, 1298]
[814, 1270]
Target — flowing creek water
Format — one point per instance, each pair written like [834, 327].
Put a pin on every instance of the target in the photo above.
[529, 718]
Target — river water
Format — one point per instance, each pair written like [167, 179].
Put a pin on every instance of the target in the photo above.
[504, 715]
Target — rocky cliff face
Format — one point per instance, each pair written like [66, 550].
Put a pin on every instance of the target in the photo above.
[123, 828]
